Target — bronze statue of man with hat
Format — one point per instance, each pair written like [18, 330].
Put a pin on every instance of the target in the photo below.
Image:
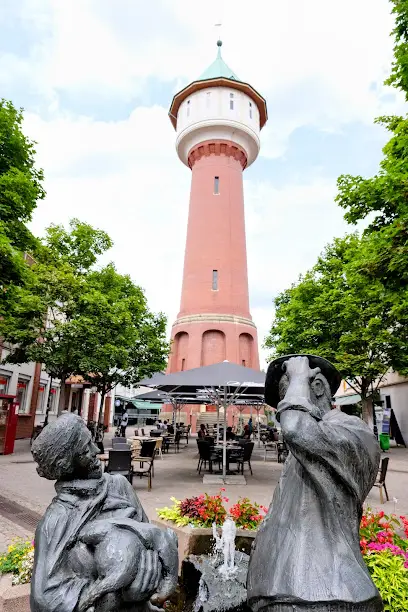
[306, 556]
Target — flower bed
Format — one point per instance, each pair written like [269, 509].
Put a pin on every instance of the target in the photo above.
[383, 541]
[204, 510]
[18, 561]
[384, 544]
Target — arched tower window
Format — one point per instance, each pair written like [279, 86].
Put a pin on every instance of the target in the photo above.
[180, 352]
[246, 342]
[188, 108]
[231, 101]
[213, 347]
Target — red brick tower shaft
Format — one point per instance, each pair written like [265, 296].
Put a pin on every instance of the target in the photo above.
[214, 322]
[215, 278]
[218, 119]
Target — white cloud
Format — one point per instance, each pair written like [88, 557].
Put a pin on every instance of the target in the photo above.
[318, 63]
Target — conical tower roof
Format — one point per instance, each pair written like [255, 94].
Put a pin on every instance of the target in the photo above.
[218, 69]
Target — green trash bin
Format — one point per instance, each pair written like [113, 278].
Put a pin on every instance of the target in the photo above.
[385, 441]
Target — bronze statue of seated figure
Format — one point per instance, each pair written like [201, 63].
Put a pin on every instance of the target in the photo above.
[95, 550]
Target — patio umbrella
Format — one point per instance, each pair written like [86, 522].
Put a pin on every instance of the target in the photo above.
[223, 384]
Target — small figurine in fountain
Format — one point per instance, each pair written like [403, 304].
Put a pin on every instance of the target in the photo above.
[226, 545]
[306, 556]
[95, 550]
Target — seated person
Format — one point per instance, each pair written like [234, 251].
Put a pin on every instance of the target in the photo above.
[202, 432]
[230, 434]
[247, 433]
[95, 550]
[170, 428]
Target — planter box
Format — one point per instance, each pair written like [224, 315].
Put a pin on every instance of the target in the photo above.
[13, 598]
[199, 540]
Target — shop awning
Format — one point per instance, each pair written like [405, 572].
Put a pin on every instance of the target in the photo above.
[347, 400]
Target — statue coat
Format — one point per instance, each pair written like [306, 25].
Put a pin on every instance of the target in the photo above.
[307, 549]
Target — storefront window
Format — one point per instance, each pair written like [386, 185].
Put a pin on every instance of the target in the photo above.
[4, 383]
[42, 393]
[22, 394]
[53, 399]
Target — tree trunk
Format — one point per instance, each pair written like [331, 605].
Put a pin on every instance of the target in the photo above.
[102, 407]
[61, 402]
[47, 412]
[367, 411]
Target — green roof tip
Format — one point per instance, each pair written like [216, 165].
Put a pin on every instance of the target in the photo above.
[218, 68]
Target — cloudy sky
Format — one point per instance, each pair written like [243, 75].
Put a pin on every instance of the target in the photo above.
[96, 78]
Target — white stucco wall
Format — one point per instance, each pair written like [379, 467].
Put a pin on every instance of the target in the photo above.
[399, 404]
[206, 115]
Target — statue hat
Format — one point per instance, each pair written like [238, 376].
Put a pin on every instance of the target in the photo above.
[275, 373]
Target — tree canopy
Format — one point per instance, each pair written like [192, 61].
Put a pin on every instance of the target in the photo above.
[117, 339]
[334, 311]
[77, 320]
[383, 199]
[20, 190]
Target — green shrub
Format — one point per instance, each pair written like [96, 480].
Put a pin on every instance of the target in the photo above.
[391, 579]
[18, 560]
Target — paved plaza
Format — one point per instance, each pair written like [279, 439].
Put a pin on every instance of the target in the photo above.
[175, 475]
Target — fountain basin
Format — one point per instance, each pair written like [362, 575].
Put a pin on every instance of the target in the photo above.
[207, 589]
[200, 541]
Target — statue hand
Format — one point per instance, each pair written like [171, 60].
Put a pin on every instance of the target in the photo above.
[298, 367]
[147, 580]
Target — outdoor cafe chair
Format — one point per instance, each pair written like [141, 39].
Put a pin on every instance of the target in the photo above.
[381, 479]
[159, 444]
[282, 452]
[206, 454]
[144, 466]
[137, 433]
[185, 432]
[155, 433]
[175, 440]
[121, 446]
[210, 440]
[143, 432]
[235, 455]
[246, 457]
[120, 462]
[147, 453]
[117, 440]
[270, 447]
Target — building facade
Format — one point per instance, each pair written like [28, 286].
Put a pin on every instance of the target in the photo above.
[217, 119]
[393, 395]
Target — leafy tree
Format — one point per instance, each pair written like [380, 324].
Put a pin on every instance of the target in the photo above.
[336, 312]
[383, 198]
[20, 189]
[116, 337]
[37, 323]
[79, 247]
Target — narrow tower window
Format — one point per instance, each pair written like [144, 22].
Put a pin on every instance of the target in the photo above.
[231, 101]
[216, 185]
[215, 280]
[188, 108]
[208, 99]
[183, 365]
[250, 110]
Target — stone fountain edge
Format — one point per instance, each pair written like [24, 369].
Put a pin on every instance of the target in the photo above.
[199, 540]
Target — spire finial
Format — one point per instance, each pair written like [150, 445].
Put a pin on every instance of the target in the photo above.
[219, 41]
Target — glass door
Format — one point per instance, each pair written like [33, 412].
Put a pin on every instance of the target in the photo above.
[4, 409]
